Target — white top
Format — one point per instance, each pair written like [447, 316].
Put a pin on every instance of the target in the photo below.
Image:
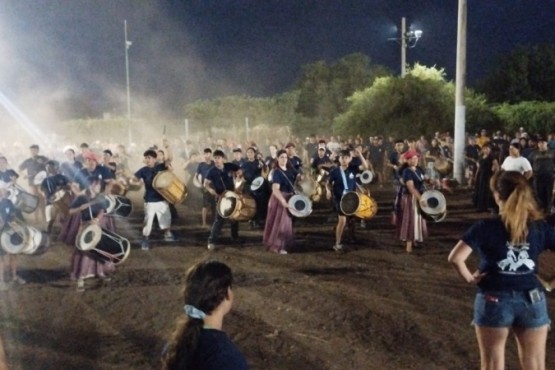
[519, 164]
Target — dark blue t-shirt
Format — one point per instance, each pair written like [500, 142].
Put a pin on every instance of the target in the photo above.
[222, 180]
[147, 174]
[101, 173]
[508, 267]
[251, 170]
[51, 184]
[285, 179]
[69, 170]
[6, 176]
[203, 169]
[98, 204]
[8, 211]
[215, 351]
[296, 163]
[336, 180]
[417, 177]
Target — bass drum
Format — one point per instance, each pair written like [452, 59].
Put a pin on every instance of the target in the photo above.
[170, 187]
[237, 207]
[37, 243]
[25, 202]
[435, 205]
[104, 244]
[359, 205]
[300, 205]
[14, 238]
[119, 205]
[443, 166]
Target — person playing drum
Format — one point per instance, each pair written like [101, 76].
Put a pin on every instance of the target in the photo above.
[155, 204]
[51, 185]
[7, 175]
[208, 200]
[32, 166]
[278, 229]
[343, 179]
[252, 168]
[219, 180]
[90, 207]
[8, 215]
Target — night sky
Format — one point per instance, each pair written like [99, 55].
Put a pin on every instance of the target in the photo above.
[72, 51]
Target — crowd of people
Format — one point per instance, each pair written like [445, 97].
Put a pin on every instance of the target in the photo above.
[264, 178]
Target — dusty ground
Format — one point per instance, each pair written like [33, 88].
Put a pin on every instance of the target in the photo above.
[375, 307]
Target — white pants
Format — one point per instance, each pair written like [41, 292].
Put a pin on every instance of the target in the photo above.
[159, 209]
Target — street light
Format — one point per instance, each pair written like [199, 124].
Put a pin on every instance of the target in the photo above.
[127, 45]
[408, 40]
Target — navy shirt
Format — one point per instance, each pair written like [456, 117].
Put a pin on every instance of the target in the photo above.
[203, 169]
[98, 204]
[222, 180]
[417, 177]
[251, 170]
[8, 211]
[285, 179]
[215, 351]
[101, 173]
[336, 179]
[296, 163]
[6, 176]
[147, 174]
[508, 266]
[33, 166]
[51, 184]
[69, 170]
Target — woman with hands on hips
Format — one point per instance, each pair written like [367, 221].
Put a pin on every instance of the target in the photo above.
[510, 295]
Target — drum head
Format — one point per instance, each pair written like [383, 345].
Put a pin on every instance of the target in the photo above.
[123, 206]
[227, 204]
[349, 203]
[89, 237]
[14, 239]
[257, 183]
[300, 205]
[435, 202]
[37, 243]
[162, 180]
[39, 178]
[366, 177]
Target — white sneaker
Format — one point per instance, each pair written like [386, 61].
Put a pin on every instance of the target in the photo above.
[338, 247]
[80, 285]
[211, 246]
[283, 251]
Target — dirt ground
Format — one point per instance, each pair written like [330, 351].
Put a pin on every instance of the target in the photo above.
[375, 307]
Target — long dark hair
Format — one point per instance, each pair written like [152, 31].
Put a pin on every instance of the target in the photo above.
[206, 286]
[519, 205]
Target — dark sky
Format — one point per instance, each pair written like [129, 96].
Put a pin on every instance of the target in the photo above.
[55, 52]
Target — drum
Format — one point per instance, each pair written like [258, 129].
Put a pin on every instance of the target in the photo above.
[39, 178]
[118, 188]
[237, 207]
[359, 205]
[443, 166]
[105, 244]
[37, 243]
[300, 205]
[119, 205]
[170, 187]
[25, 202]
[366, 177]
[258, 186]
[197, 181]
[61, 200]
[435, 208]
[14, 238]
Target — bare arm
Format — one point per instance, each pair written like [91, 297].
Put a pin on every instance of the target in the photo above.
[458, 257]
[276, 193]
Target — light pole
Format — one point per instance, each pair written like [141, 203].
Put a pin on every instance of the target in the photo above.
[127, 45]
[408, 39]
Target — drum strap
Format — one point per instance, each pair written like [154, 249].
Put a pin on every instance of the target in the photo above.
[284, 174]
[344, 178]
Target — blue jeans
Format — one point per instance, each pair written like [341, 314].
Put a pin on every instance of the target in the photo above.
[500, 309]
[217, 229]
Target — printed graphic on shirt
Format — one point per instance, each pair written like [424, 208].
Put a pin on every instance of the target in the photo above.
[518, 260]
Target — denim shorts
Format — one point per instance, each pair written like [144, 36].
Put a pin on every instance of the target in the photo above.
[500, 309]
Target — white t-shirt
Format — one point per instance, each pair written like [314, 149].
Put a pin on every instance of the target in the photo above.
[519, 164]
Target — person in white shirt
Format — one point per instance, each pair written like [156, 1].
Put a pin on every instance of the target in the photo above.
[515, 162]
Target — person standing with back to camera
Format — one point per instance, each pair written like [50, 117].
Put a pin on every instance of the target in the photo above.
[510, 295]
[198, 342]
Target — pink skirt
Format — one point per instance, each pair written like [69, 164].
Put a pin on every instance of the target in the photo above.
[278, 230]
[411, 226]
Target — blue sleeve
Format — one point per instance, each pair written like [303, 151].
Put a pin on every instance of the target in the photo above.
[139, 174]
[473, 236]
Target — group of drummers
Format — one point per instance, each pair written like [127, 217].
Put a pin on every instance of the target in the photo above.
[86, 193]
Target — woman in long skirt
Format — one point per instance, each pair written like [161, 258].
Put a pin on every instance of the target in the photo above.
[411, 226]
[278, 229]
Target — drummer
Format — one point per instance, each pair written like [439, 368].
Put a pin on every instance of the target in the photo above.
[53, 183]
[32, 166]
[342, 180]
[155, 204]
[252, 168]
[7, 175]
[208, 200]
[219, 180]
[8, 214]
[91, 207]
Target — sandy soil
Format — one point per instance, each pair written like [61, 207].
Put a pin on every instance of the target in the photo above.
[375, 307]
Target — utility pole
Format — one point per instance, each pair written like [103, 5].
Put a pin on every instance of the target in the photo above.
[127, 45]
[460, 109]
[403, 47]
